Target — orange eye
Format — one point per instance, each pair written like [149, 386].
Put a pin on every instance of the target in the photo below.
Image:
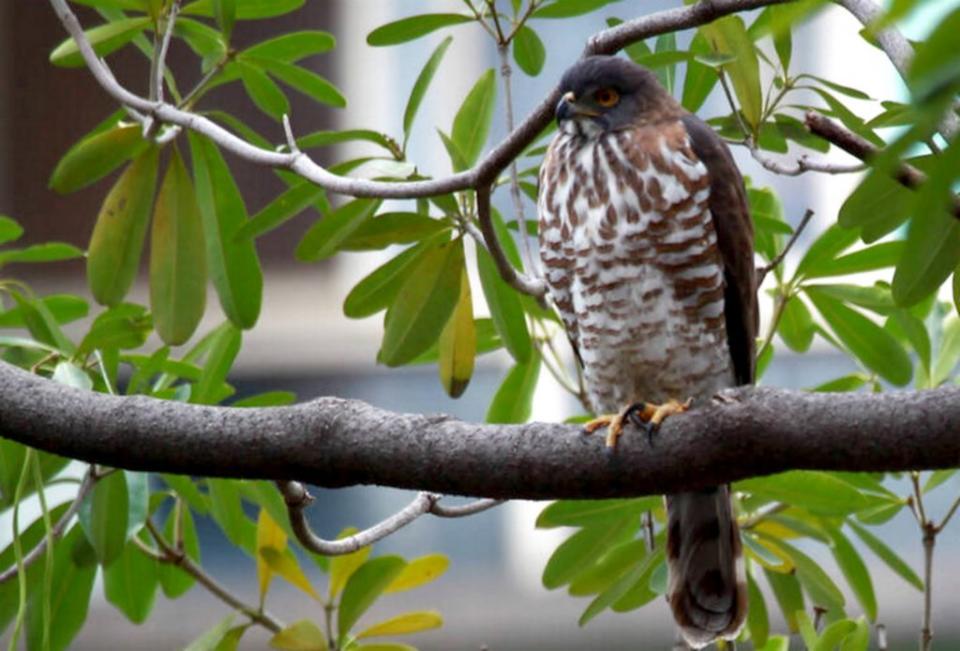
[606, 97]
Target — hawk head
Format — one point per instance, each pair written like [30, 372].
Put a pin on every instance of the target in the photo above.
[606, 93]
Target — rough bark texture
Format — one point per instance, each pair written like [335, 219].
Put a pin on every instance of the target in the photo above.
[334, 442]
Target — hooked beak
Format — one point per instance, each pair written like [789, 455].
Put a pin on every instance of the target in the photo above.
[568, 108]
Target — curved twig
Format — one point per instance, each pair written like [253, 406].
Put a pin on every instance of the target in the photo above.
[767, 268]
[297, 498]
[521, 282]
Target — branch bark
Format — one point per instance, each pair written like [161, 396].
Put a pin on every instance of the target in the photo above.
[335, 442]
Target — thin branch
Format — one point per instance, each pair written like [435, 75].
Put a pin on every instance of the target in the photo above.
[485, 172]
[184, 562]
[858, 147]
[34, 554]
[521, 282]
[297, 498]
[926, 632]
[762, 514]
[950, 513]
[334, 442]
[801, 165]
[764, 270]
[157, 81]
[506, 72]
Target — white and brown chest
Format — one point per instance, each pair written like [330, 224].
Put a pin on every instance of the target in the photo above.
[629, 251]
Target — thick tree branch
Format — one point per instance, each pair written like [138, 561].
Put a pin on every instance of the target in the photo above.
[334, 442]
[858, 147]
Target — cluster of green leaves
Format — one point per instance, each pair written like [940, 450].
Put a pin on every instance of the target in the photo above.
[619, 564]
[51, 599]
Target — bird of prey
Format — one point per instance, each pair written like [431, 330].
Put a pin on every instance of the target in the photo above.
[647, 246]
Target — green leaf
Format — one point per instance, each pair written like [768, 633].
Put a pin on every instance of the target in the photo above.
[826, 247]
[363, 587]
[104, 517]
[758, 622]
[419, 571]
[206, 42]
[324, 138]
[306, 81]
[578, 551]
[878, 256]
[786, 590]
[227, 510]
[64, 308]
[173, 580]
[41, 323]
[10, 230]
[878, 204]
[290, 203]
[225, 11]
[303, 635]
[393, 228]
[105, 39]
[342, 567]
[70, 588]
[855, 572]
[513, 401]
[609, 569]
[178, 270]
[72, 375]
[586, 513]
[404, 624]
[667, 73]
[408, 29]
[699, 79]
[267, 399]
[130, 583]
[234, 265]
[293, 46]
[887, 555]
[378, 289]
[46, 252]
[113, 258]
[932, 250]
[859, 639]
[420, 86]
[729, 36]
[850, 382]
[876, 298]
[324, 238]
[767, 211]
[247, 9]
[815, 580]
[471, 125]
[934, 68]
[937, 478]
[629, 581]
[568, 8]
[187, 489]
[528, 51]
[96, 156]
[423, 304]
[872, 345]
[211, 639]
[948, 353]
[818, 492]
[796, 325]
[262, 90]
[505, 306]
[458, 343]
[223, 351]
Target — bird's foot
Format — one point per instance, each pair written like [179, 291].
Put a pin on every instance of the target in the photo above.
[613, 423]
[649, 416]
[645, 415]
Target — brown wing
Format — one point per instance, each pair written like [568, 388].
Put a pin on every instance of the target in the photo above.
[731, 220]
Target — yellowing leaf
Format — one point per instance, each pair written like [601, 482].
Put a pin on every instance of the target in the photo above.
[285, 564]
[458, 343]
[300, 636]
[405, 624]
[113, 258]
[269, 536]
[178, 270]
[418, 572]
[342, 567]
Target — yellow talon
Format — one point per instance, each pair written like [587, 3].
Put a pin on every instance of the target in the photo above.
[646, 413]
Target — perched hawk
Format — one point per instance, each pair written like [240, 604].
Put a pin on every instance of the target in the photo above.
[647, 246]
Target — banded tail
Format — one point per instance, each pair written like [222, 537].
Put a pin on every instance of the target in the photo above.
[708, 586]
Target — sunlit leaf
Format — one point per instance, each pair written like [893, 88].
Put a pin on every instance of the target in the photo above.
[887, 555]
[513, 401]
[407, 29]
[458, 343]
[404, 624]
[420, 86]
[363, 587]
[303, 635]
[105, 39]
[528, 51]
[96, 156]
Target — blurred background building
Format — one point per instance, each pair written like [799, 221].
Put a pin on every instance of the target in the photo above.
[492, 595]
